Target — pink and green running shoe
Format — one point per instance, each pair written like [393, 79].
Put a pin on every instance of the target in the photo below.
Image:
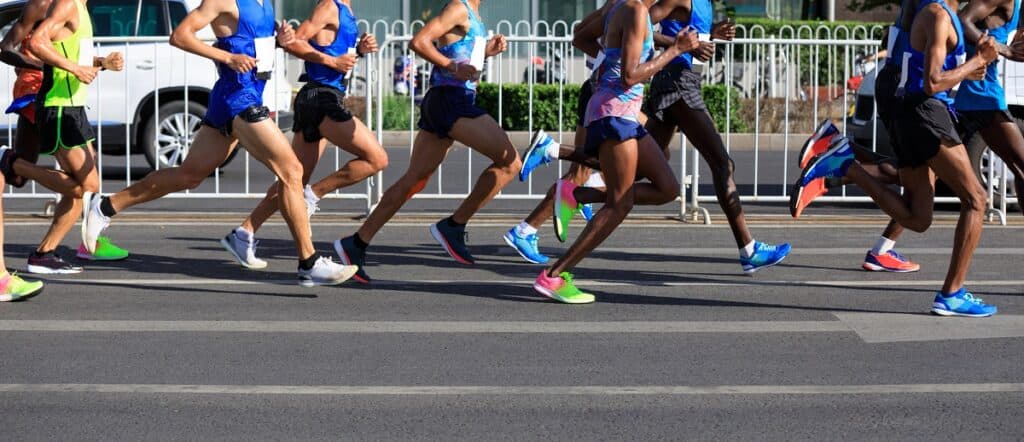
[105, 251]
[566, 207]
[561, 288]
[13, 288]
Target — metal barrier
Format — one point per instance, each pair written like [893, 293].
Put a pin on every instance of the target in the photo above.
[784, 85]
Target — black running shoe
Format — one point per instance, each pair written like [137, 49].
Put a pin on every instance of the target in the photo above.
[453, 239]
[51, 264]
[350, 254]
[7, 158]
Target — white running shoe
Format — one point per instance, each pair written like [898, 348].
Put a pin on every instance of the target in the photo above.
[311, 201]
[93, 220]
[326, 272]
[243, 251]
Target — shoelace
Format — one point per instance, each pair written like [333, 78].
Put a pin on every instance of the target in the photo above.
[532, 239]
[897, 255]
[567, 277]
[969, 297]
[252, 246]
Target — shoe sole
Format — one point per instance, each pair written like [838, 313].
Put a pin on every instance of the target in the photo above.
[533, 146]
[86, 205]
[877, 268]
[447, 247]
[89, 257]
[512, 245]
[804, 159]
[40, 270]
[755, 269]
[25, 297]
[551, 295]
[227, 246]
[348, 261]
[314, 283]
[948, 313]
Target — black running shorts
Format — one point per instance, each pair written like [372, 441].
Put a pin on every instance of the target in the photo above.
[315, 102]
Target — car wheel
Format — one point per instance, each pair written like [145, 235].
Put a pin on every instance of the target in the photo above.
[167, 137]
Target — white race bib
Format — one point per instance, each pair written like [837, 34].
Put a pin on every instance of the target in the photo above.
[351, 51]
[86, 52]
[696, 65]
[479, 53]
[890, 43]
[266, 54]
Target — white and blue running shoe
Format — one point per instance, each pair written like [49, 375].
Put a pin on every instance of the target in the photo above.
[536, 155]
[526, 246]
[764, 256]
[961, 303]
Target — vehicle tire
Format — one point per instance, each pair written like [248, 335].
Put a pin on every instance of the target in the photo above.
[178, 121]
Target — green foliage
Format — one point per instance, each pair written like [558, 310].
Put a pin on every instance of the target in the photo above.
[397, 110]
[714, 98]
[867, 5]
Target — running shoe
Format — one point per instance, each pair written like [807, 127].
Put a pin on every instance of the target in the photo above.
[105, 251]
[326, 272]
[7, 158]
[93, 221]
[352, 255]
[51, 264]
[13, 288]
[561, 288]
[526, 246]
[831, 164]
[802, 196]
[453, 239]
[588, 211]
[819, 142]
[764, 256]
[566, 207]
[243, 251]
[961, 303]
[890, 261]
[536, 155]
[312, 201]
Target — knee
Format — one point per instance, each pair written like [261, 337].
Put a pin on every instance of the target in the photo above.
[378, 161]
[90, 184]
[975, 199]
[918, 224]
[666, 196]
[290, 175]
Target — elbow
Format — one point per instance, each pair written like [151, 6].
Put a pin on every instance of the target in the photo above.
[33, 46]
[177, 39]
[419, 45]
[630, 80]
[930, 88]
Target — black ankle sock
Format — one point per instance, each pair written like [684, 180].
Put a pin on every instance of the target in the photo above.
[306, 264]
[451, 222]
[359, 242]
[833, 182]
[106, 208]
[38, 254]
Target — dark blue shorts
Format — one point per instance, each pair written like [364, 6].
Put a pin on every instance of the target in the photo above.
[228, 101]
[611, 128]
[443, 106]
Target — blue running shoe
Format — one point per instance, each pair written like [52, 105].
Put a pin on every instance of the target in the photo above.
[351, 254]
[831, 164]
[961, 303]
[536, 155]
[453, 239]
[764, 256]
[525, 246]
[588, 212]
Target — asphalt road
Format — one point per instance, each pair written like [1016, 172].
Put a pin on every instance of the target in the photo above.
[179, 343]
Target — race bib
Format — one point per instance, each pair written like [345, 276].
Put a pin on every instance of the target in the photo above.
[351, 51]
[479, 53]
[266, 54]
[890, 44]
[696, 65]
[86, 52]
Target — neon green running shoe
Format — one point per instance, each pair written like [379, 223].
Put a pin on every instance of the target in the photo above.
[566, 207]
[105, 251]
[13, 288]
[561, 288]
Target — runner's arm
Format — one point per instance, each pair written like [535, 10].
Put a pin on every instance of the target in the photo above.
[976, 12]
[453, 15]
[9, 51]
[634, 28]
[660, 11]
[938, 24]
[184, 36]
[586, 36]
[41, 43]
[325, 14]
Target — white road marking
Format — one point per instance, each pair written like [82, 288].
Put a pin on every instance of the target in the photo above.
[496, 390]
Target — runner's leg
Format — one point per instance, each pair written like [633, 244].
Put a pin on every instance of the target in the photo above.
[1004, 138]
[485, 136]
[80, 164]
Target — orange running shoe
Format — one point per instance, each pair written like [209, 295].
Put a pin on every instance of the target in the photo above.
[803, 195]
[819, 142]
[890, 261]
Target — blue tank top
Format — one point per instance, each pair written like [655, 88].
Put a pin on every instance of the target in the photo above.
[460, 52]
[254, 21]
[611, 98]
[346, 38]
[912, 75]
[987, 94]
[701, 13]
[897, 42]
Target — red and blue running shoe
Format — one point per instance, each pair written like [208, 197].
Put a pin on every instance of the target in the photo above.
[890, 261]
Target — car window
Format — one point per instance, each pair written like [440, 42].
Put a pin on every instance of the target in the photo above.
[113, 18]
[178, 13]
[151, 19]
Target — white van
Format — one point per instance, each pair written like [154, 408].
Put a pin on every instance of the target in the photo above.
[156, 104]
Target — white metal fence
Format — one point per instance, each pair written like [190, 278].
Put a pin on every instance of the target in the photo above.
[777, 87]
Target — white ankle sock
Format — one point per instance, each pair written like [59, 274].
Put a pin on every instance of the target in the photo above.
[243, 234]
[524, 228]
[552, 150]
[748, 250]
[883, 245]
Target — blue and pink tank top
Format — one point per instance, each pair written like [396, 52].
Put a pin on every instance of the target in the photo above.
[460, 52]
[611, 97]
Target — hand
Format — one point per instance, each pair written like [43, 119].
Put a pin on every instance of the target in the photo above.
[986, 48]
[705, 52]
[463, 71]
[496, 45]
[113, 62]
[86, 74]
[724, 30]
[241, 63]
[367, 44]
[686, 40]
[1015, 51]
[344, 63]
[978, 74]
[285, 34]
